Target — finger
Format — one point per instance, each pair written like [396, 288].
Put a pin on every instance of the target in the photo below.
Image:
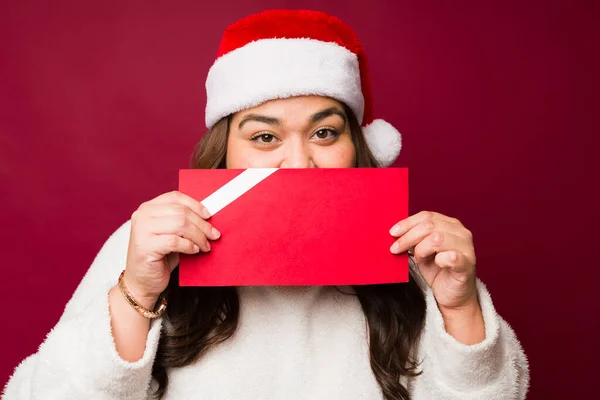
[177, 197]
[186, 215]
[176, 225]
[407, 224]
[166, 244]
[454, 260]
[440, 241]
[418, 233]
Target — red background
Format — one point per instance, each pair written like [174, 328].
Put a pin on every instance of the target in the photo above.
[101, 104]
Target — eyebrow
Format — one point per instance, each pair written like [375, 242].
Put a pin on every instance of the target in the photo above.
[274, 121]
[259, 118]
[327, 113]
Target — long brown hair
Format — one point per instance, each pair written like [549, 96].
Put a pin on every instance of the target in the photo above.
[197, 318]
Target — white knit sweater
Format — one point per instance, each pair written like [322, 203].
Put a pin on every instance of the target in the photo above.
[291, 343]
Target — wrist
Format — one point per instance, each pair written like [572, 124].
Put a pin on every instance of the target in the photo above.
[145, 299]
[466, 308]
[465, 323]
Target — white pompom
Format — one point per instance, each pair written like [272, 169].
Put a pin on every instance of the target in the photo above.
[384, 141]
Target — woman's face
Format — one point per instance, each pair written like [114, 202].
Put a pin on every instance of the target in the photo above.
[298, 132]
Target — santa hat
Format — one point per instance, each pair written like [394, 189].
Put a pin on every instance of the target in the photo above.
[284, 53]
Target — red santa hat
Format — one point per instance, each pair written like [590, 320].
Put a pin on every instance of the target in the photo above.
[284, 53]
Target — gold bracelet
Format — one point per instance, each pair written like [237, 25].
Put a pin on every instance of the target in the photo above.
[139, 308]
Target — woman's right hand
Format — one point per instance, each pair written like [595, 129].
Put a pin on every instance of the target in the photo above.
[162, 228]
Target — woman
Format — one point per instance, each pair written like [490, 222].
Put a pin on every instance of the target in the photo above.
[289, 89]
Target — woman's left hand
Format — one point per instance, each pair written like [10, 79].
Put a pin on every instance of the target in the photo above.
[445, 255]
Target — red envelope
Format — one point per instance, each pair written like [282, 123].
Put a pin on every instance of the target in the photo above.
[314, 226]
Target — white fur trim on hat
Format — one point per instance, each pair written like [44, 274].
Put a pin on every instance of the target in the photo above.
[384, 141]
[269, 69]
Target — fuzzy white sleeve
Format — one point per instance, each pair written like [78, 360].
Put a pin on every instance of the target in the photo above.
[495, 369]
[78, 359]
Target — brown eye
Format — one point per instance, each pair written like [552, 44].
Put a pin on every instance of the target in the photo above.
[263, 138]
[325, 133]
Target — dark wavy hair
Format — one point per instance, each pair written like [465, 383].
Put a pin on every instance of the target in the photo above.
[198, 318]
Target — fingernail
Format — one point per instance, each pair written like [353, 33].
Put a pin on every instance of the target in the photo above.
[196, 248]
[207, 246]
[216, 234]
[395, 231]
[205, 213]
[395, 248]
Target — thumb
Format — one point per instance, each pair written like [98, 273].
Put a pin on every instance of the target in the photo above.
[172, 261]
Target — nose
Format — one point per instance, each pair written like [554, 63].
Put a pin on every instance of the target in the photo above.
[297, 155]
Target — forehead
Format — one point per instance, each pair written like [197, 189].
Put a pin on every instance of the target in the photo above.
[299, 106]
